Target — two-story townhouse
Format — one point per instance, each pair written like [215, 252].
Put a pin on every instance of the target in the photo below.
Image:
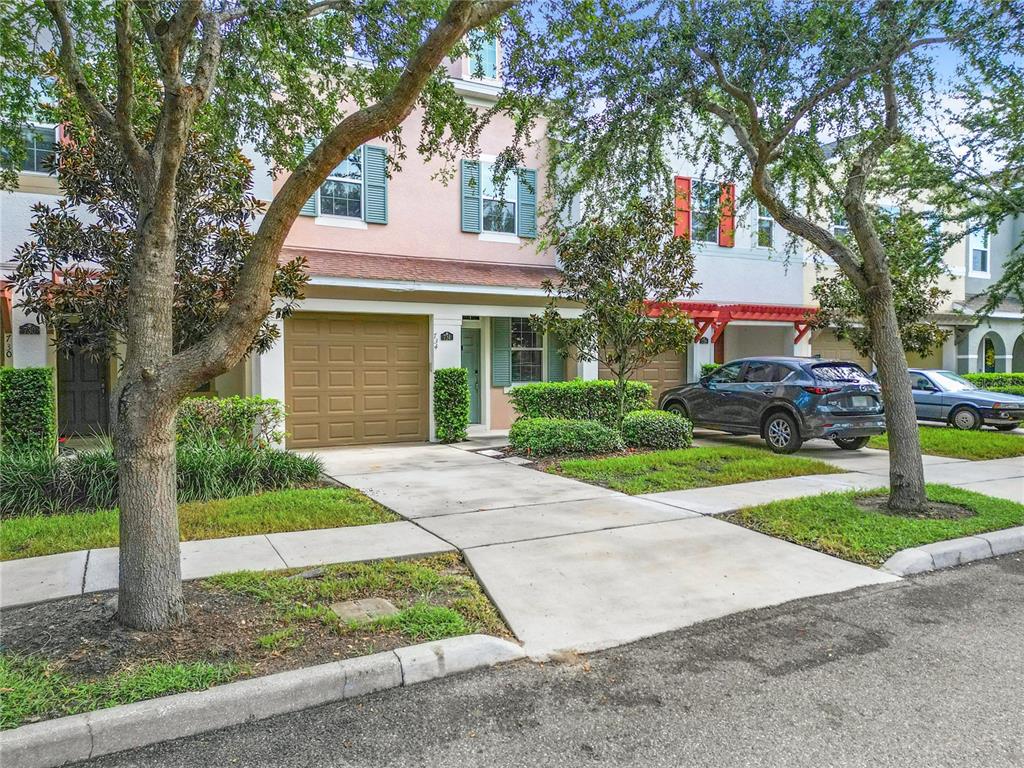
[407, 275]
[994, 344]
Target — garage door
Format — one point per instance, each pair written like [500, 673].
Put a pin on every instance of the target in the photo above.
[826, 345]
[665, 371]
[353, 379]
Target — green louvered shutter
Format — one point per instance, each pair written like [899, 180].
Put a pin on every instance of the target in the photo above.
[526, 220]
[501, 351]
[375, 175]
[470, 196]
[309, 207]
[556, 361]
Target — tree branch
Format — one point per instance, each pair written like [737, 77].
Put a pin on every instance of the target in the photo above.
[124, 109]
[226, 343]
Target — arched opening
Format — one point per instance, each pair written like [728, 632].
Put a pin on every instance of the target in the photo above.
[1017, 362]
[991, 354]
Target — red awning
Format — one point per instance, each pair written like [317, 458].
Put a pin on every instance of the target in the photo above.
[711, 315]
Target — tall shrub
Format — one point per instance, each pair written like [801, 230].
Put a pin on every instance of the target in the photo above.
[28, 410]
[578, 399]
[451, 404]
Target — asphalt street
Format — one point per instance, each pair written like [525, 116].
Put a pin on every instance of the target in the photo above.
[927, 672]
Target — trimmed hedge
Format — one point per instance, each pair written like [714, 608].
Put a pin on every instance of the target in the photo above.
[253, 422]
[37, 483]
[656, 429]
[1008, 390]
[578, 399]
[451, 404]
[550, 437]
[996, 381]
[28, 410]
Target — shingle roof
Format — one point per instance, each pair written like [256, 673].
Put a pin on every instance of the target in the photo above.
[373, 266]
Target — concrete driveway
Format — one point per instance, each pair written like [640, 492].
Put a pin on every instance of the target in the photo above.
[572, 566]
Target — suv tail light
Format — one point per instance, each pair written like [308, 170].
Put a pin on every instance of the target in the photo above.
[821, 390]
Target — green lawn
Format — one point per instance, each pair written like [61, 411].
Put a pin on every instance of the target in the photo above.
[975, 445]
[291, 510]
[832, 523]
[33, 687]
[688, 468]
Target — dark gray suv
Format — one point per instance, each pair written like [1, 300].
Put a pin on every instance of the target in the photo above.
[785, 400]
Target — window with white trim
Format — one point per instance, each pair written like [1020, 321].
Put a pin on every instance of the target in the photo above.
[40, 147]
[527, 346]
[342, 193]
[484, 58]
[498, 212]
[705, 211]
[979, 251]
[765, 228]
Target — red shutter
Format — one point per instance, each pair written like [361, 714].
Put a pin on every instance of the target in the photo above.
[682, 228]
[727, 216]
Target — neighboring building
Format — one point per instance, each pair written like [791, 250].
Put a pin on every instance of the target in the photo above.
[995, 344]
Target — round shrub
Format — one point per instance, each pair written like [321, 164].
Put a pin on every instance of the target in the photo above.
[656, 429]
[552, 437]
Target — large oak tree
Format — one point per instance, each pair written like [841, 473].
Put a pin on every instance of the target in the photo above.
[271, 74]
[803, 102]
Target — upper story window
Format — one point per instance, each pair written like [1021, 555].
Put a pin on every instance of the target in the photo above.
[342, 193]
[499, 213]
[840, 227]
[765, 228]
[705, 211]
[527, 348]
[40, 147]
[978, 251]
[483, 59]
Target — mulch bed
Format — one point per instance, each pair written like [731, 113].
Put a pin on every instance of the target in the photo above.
[82, 635]
[936, 510]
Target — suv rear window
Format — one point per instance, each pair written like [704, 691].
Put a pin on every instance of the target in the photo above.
[845, 372]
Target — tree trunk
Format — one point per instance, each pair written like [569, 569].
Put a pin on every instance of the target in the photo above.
[149, 583]
[621, 380]
[906, 469]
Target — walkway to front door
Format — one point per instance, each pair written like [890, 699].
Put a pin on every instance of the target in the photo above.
[575, 567]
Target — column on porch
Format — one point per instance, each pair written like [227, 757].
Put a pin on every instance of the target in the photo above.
[267, 370]
[29, 342]
[445, 352]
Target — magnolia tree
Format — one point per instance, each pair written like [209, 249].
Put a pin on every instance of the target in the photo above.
[626, 268]
[802, 102]
[74, 273]
[916, 251]
[275, 75]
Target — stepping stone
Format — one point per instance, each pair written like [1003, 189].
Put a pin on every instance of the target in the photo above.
[518, 460]
[491, 452]
[367, 609]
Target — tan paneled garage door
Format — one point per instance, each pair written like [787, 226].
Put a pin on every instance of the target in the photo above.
[353, 379]
[664, 371]
[826, 345]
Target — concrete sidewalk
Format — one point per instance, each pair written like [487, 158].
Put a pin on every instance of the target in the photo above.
[573, 566]
[36, 579]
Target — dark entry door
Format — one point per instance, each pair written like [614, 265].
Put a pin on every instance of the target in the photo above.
[81, 395]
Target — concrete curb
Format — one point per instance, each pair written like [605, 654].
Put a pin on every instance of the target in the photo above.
[102, 732]
[946, 554]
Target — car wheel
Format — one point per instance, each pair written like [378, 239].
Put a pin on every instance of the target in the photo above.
[965, 418]
[782, 434]
[851, 443]
[678, 409]
[1006, 427]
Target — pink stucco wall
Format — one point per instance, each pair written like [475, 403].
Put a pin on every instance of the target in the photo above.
[424, 212]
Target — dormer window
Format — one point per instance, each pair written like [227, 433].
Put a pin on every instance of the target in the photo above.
[483, 58]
